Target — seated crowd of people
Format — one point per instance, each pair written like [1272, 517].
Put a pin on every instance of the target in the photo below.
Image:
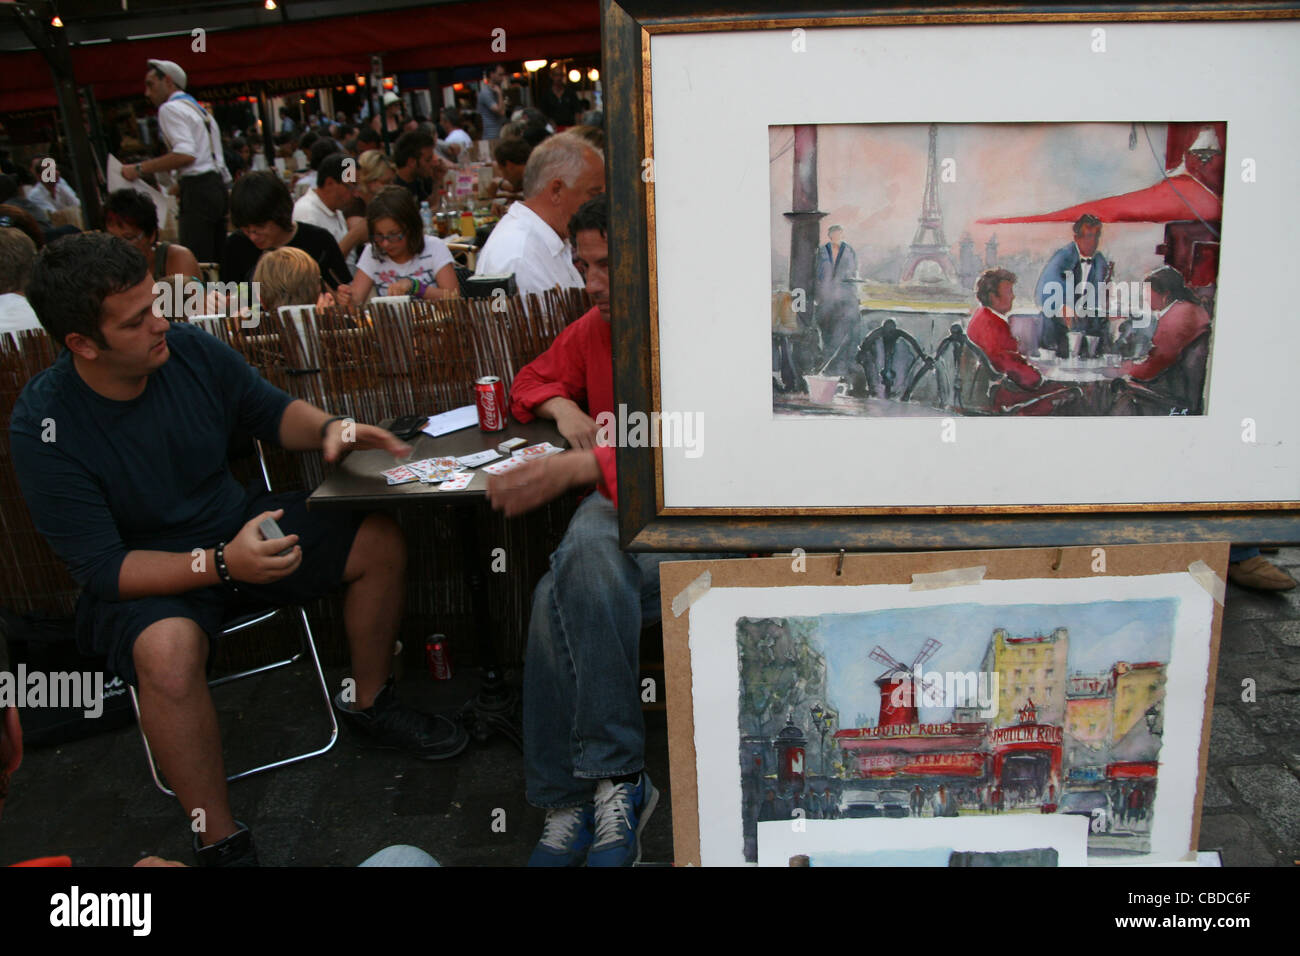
[317, 192]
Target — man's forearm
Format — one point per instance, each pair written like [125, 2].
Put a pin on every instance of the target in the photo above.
[584, 468]
[165, 163]
[155, 573]
[354, 235]
[553, 408]
[300, 426]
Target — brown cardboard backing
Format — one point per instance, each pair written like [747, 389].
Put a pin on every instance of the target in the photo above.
[859, 569]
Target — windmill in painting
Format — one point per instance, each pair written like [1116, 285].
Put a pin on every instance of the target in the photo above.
[1028, 709]
[897, 702]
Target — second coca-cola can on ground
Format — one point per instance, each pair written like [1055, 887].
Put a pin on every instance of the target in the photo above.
[490, 394]
[437, 657]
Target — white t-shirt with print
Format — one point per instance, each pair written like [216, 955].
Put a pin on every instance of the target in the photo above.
[425, 266]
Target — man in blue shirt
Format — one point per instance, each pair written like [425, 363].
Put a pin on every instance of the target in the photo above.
[121, 450]
[1071, 290]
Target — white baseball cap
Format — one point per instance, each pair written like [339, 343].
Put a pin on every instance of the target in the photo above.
[390, 98]
[170, 70]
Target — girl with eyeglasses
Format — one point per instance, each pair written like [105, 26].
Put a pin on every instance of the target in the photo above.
[400, 259]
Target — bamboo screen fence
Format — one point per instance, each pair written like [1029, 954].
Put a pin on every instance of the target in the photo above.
[373, 365]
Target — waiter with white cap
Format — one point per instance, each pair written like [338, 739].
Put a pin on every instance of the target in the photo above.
[195, 152]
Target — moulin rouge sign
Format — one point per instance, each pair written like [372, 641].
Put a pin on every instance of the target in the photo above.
[1026, 734]
[913, 730]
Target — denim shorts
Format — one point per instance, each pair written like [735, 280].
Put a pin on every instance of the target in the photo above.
[110, 628]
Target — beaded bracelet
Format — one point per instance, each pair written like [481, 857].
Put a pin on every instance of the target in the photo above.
[223, 572]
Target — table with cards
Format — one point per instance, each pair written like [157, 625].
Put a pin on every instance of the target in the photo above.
[451, 469]
[359, 481]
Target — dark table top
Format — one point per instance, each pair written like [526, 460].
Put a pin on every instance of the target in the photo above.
[358, 483]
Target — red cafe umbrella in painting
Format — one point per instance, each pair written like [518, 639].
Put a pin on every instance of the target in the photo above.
[1192, 186]
[1172, 199]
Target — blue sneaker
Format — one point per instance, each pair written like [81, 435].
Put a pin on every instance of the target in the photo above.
[621, 813]
[566, 837]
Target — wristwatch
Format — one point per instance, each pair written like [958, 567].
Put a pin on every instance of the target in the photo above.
[139, 169]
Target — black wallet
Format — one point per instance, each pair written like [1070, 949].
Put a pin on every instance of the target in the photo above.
[408, 426]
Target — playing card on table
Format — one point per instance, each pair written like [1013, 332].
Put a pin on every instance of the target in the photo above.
[421, 468]
[457, 482]
[432, 471]
[537, 451]
[501, 467]
[400, 475]
[478, 458]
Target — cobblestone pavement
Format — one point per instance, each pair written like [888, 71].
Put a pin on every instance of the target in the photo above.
[93, 799]
[1252, 792]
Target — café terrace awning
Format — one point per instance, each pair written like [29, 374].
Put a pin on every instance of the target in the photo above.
[1192, 187]
[454, 34]
[1173, 199]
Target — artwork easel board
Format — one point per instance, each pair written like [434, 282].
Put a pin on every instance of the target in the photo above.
[787, 683]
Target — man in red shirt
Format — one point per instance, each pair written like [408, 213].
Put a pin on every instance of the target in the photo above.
[989, 329]
[584, 740]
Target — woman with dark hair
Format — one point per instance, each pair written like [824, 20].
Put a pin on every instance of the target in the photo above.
[261, 211]
[132, 216]
[239, 157]
[1179, 320]
[401, 259]
[1169, 282]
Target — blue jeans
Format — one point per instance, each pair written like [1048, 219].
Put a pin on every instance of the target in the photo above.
[582, 700]
[400, 855]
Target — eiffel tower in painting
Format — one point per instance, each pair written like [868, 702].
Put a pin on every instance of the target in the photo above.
[929, 244]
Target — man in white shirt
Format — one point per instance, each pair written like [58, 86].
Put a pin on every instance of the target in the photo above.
[322, 205]
[531, 240]
[51, 191]
[454, 139]
[194, 144]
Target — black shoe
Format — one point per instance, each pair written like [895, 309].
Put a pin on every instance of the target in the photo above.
[235, 850]
[388, 725]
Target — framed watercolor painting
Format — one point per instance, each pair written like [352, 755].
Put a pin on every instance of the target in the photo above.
[1010, 685]
[908, 292]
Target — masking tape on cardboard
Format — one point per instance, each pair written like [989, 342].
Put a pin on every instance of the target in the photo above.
[954, 578]
[1204, 575]
[692, 593]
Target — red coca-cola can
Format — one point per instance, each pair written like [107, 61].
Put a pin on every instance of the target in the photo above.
[437, 657]
[490, 393]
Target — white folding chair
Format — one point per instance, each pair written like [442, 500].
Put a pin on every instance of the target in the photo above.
[234, 626]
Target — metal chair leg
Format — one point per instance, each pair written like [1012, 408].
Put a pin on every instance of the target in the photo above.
[309, 644]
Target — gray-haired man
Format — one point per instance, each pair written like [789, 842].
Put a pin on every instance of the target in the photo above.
[531, 240]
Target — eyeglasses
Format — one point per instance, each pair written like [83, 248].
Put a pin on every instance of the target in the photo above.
[388, 237]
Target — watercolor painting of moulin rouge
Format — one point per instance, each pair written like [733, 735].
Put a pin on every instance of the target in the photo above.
[958, 710]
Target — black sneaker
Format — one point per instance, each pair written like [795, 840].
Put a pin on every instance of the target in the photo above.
[235, 850]
[387, 725]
